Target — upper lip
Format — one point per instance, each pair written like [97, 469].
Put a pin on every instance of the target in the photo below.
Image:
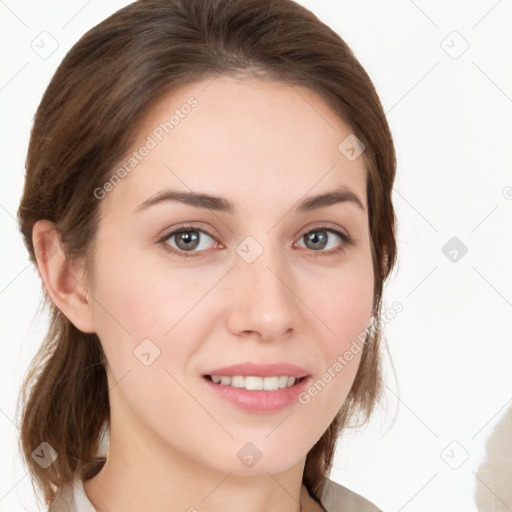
[260, 370]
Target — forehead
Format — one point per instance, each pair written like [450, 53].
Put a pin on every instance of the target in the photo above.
[244, 138]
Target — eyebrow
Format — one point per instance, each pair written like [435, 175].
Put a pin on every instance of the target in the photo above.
[200, 200]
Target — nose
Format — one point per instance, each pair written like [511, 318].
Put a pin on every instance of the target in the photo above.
[263, 301]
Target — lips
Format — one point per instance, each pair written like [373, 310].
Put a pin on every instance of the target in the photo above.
[257, 401]
[259, 370]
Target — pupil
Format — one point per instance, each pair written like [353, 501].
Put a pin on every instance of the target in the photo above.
[186, 237]
[316, 239]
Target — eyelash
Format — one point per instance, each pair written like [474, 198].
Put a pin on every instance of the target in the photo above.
[347, 241]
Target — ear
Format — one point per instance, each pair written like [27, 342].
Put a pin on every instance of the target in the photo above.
[63, 281]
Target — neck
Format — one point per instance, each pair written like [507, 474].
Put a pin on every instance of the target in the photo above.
[143, 473]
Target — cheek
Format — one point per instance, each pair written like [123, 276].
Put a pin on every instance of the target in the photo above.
[342, 308]
[341, 303]
[141, 314]
[350, 322]
[138, 298]
[146, 313]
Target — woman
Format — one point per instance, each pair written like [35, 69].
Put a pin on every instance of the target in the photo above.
[208, 203]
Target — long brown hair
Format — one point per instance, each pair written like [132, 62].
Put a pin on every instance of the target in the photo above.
[87, 121]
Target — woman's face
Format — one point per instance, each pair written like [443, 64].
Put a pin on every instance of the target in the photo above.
[242, 284]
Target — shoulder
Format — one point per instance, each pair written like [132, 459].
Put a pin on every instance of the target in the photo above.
[336, 498]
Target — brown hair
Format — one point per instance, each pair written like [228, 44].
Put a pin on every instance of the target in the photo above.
[87, 121]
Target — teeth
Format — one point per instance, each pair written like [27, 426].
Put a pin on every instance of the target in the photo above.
[255, 383]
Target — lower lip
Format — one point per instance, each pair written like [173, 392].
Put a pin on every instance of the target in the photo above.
[259, 400]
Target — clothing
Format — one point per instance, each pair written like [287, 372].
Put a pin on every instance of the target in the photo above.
[335, 498]
[72, 498]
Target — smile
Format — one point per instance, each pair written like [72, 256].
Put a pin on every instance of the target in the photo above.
[255, 383]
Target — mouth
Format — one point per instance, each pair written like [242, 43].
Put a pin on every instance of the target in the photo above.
[256, 383]
[256, 394]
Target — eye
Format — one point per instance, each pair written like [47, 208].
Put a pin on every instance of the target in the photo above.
[317, 239]
[187, 240]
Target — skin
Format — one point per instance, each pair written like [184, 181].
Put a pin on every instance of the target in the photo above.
[264, 146]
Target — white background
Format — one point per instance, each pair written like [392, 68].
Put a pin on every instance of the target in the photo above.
[451, 344]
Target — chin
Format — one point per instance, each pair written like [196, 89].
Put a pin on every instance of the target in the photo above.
[259, 459]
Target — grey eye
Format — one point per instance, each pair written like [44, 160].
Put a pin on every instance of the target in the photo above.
[317, 239]
[189, 240]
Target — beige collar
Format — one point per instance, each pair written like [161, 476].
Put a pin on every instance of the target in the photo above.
[307, 503]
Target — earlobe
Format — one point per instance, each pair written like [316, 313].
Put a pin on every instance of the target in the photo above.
[62, 281]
